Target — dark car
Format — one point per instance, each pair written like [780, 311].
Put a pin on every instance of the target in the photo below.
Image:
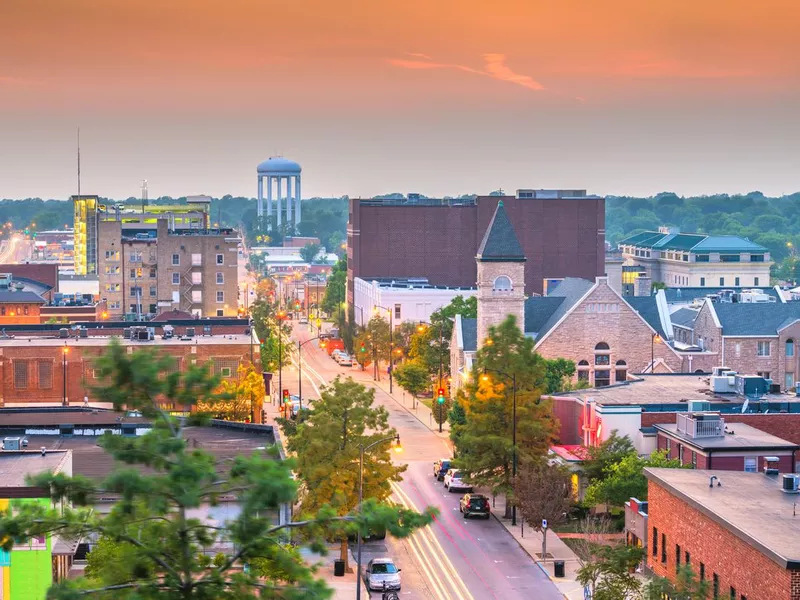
[472, 505]
[440, 467]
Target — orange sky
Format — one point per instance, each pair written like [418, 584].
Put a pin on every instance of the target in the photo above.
[423, 93]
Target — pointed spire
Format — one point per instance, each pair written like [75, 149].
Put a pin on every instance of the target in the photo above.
[500, 243]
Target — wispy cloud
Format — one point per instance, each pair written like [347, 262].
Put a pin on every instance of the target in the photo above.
[418, 55]
[494, 67]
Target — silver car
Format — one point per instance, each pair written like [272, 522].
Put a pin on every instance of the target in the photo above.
[380, 572]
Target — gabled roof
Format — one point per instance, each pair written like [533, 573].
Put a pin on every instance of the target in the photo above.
[646, 239]
[727, 243]
[647, 308]
[9, 297]
[738, 319]
[570, 291]
[684, 317]
[695, 242]
[469, 333]
[678, 241]
[500, 242]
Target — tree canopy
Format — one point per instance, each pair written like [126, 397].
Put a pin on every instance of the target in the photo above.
[625, 479]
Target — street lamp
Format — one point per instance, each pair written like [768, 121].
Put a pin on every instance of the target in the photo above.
[653, 339]
[300, 369]
[280, 315]
[391, 343]
[362, 449]
[420, 329]
[513, 377]
[64, 352]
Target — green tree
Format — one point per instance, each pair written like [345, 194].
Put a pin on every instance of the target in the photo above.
[431, 344]
[484, 443]
[558, 373]
[412, 377]
[309, 252]
[327, 446]
[625, 479]
[600, 459]
[685, 587]
[334, 297]
[610, 572]
[374, 338]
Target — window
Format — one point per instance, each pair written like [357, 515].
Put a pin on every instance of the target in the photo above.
[687, 558]
[601, 359]
[602, 378]
[45, 374]
[220, 296]
[113, 287]
[715, 587]
[152, 272]
[790, 347]
[220, 312]
[788, 382]
[733, 593]
[112, 269]
[729, 258]
[655, 541]
[397, 312]
[756, 258]
[502, 284]
[702, 282]
[220, 278]
[677, 558]
[694, 459]
[721, 281]
[197, 277]
[225, 367]
[755, 281]
[21, 374]
[176, 260]
[220, 259]
[663, 547]
[763, 349]
[622, 371]
[136, 256]
[764, 374]
[152, 291]
[176, 279]
[197, 260]
[736, 282]
[114, 255]
[750, 464]
[702, 571]
[135, 290]
[197, 296]
[701, 258]
[116, 304]
[668, 446]
[680, 453]
[583, 375]
[225, 372]
[738, 349]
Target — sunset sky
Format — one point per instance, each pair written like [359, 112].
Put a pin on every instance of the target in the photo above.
[376, 96]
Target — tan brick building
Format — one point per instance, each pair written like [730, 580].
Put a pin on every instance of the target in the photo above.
[190, 270]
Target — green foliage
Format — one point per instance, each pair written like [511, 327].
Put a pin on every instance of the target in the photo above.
[335, 290]
[375, 339]
[412, 377]
[609, 572]
[600, 459]
[432, 346]
[149, 545]
[626, 479]
[484, 443]
[558, 373]
[309, 252]
[686, 587]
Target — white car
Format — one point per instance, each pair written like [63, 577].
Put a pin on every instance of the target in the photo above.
[303, 321]
[454, 483]
[335, 354]
[382, 574]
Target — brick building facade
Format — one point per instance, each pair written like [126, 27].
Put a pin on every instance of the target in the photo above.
[740, 536]
[562, 233]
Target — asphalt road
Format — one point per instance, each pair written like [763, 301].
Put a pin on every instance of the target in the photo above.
[454, 558]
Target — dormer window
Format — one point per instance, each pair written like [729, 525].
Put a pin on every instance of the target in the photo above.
[502, 284]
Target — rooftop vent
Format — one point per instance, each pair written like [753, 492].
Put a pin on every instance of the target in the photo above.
[791, 484]
[771, 466]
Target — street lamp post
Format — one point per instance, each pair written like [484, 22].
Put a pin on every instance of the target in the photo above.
[391, 343]
[65, 351]
[300, 369]
[421, 328]
[363, 449]
[279, 318]
[513, 377]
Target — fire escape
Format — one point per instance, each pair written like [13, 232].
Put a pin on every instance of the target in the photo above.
[191, 286]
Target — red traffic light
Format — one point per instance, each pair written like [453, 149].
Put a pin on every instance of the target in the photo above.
[441, 391]
[285, 393]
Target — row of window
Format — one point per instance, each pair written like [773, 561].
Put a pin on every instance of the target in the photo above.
[13, 311]
[136, 256]
[716, 586]
[736, 282]
[197, 259]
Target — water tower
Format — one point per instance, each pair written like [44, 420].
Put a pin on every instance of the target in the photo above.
[277, 171]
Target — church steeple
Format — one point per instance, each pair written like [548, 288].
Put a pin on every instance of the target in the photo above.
[500, 242]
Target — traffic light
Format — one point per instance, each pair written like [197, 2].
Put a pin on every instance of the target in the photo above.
[363, 348]
[285, 396]
[440, 399]
[297, 305]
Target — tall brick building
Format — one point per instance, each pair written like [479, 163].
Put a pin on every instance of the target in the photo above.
[562, 233]
[739, 536]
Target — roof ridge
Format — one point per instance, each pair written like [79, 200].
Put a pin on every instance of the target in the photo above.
[500, 242]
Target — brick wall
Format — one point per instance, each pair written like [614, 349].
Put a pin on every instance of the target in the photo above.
[735, 562]
[732, 460]
[494, 307]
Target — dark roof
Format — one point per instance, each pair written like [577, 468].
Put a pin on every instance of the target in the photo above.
[7, 297]
[538, 311]
[684, 317]
[756, 318]
[687, 294]
[571, 290]
[171, 315]
[743, 438]
[469, 334]
[500, 242]
[31, 418]
[648, 309]
[15, 465]
[646, 239]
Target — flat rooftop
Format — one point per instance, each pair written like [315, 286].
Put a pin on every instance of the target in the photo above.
[749, 505]
[654, 390]
[743, 437]
[100, 340]
[31, 417]
[16, 465]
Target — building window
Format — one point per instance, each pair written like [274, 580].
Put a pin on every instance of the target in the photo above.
[136, 256]
[788, 382]
[663, 547]
[197, 277]
[176, 260]
[687, 558]
[152, 291]
[45, 374]
[756, 258]
[729, 257]
[220, 278]
[755, 281]
[733, 593]
[668, 446]
[220, 259]
[680, 453]
[790, 347]
[225, 372]
[764, 374]
[197, 296]
[116, 304]
[677, 558]
[225, 368]
[197, 259]
[220, 312]
[114, 255]
[715, 586]
[583, 375]
[176, 279]
[738, 350]
[655, 541]
[502, 284]
[397, 312]
[220, 296]
[694, 459]
[750, 464]
[601, 354]
[702, 282]
[21, 374]
[702, 571]
[763, 349]
[602, 378]
[701, 258]
[152, 272]
[721, 281]
[736, 282]
[621, 371]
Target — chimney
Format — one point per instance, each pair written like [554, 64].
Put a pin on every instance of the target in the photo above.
[644, 286]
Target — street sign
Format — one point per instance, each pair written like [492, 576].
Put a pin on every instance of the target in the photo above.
[544, 523]
[587, 593]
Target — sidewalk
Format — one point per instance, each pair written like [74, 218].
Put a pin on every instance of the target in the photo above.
[530, 541]
[421, 412]
[344, 588]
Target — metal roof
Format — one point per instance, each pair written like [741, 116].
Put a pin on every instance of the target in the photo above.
[695, 242]
[648, 309]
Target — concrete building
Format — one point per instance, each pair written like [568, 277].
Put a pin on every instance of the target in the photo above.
[561, 232]
[697, 260]
[737, 531]
[412, 299]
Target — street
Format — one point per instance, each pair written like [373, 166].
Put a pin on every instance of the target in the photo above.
[455, 557]
[17, 249]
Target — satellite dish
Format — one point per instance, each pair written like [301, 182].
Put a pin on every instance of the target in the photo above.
[745, 405]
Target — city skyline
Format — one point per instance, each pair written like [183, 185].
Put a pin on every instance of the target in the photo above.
[619, 97]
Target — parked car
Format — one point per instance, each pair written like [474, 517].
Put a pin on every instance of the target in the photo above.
[343, 356]
[345, 361]
[335, 354]
[303, 321]
[440, 468]
[454, 483]
[382, 574]
[474, 505]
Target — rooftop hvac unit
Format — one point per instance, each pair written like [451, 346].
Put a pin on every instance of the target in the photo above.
[723, 385]
[750, 386]
[12, 443]
[84, 333]
[771, 465]
[719, 371]
[791, 484]
[699, 406]
[189, 332]
[63, 333]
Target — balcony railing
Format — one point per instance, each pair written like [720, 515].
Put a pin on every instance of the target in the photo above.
[692, 427]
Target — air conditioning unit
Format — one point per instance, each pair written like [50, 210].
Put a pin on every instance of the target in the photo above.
[719, 371]
[791, 484]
